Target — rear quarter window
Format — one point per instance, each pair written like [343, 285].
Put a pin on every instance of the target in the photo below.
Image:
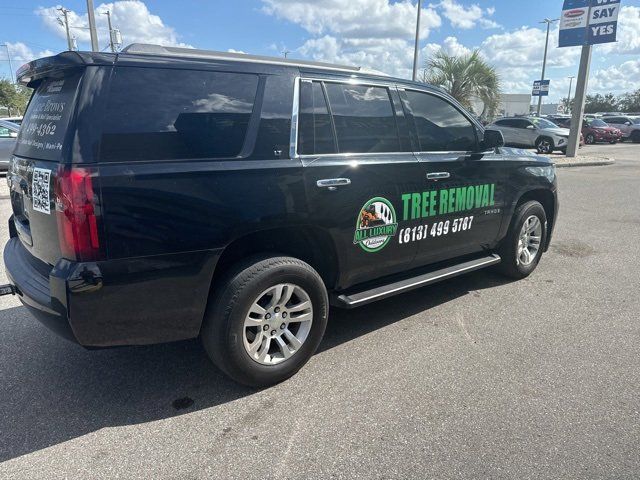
[43, 132]
[162, 114]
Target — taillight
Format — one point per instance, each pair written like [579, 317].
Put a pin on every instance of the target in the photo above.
[76, 215]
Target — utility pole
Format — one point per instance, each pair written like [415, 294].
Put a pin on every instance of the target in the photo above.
[569, 96]
[10, 64]
[92, 26]
[111, 45]
[65, 14]
[544, 61]
[417, 45]
[578, 101]
[285, 53]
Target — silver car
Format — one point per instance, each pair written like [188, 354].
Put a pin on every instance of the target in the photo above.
[527, 132]
[8, 135]
[629, 126]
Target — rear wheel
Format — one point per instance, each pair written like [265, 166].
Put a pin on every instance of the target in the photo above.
[265, 320]
[522, 248]
[590, 139]
[544, 145]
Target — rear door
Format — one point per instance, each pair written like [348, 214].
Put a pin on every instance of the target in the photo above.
[353, 142]
[41, 145]
[458, 206]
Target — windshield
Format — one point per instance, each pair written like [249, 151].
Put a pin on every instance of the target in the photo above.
[542, 123]
[595, 122]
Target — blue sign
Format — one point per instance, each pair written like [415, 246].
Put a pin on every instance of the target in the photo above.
[588, 22]
[541, 88]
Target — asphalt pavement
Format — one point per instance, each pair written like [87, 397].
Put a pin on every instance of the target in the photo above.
[477, 377]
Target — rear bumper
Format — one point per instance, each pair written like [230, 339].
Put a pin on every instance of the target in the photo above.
[135, 301]
[42, 292]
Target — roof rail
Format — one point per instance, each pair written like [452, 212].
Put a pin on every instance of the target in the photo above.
[151, 49]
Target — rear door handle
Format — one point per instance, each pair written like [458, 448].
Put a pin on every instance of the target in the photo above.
[438, 175]
[333, 183]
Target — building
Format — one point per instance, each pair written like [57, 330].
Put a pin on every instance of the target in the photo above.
[512, 104]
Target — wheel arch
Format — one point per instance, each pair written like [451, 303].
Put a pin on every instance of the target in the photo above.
[548, 201]
[305, 242]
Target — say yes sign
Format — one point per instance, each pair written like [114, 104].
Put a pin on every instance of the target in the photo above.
[587, 22]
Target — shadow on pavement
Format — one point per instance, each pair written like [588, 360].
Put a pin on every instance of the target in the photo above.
[52, 391]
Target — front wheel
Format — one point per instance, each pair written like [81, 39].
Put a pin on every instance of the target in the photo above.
[265, 320]
[544, 145]
[522, 248]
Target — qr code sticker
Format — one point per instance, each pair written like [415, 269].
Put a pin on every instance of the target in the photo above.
[40, 190]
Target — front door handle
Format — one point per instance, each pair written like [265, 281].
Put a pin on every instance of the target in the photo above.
[438, 175]
[333, 183]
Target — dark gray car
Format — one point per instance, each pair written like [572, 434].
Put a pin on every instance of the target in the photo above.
[8, 135]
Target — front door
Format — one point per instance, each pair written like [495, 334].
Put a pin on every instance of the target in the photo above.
[353, 142]
[457, 210]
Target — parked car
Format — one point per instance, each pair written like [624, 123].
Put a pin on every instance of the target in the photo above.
[183, 193]
[527, 132]
[16, 120]
[628, 125]
[595, 130]
[8, 135]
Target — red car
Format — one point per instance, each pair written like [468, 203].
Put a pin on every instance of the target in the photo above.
[595, 130]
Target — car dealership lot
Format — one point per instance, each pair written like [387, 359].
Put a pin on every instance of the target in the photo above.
[475, 377]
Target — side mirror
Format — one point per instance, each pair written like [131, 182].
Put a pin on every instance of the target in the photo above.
[492, 139]
[628, 124]
[530, 127]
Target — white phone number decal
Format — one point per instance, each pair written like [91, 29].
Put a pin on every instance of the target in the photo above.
[438, 229]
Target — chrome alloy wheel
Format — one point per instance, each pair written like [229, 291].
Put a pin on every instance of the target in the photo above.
[529, 241]
[277, 324]
[544, 146]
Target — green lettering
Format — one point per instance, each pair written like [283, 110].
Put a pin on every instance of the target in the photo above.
[443, 201]
[405, 205]
[460, 199]
[432, 203]
[485, 195]
[425, 204]
[415, 206]
[478, 189]
[469, 204]
[492, 202]
[452, 198]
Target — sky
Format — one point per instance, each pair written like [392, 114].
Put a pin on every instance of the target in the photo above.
[378, 34]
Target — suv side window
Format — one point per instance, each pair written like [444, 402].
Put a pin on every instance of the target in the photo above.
[441, 127]
[159, 114]
[613, 120]
[363, 117]
[316, 133]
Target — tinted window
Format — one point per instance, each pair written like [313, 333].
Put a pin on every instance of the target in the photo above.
[316, 134]
[275, 119]
[363, 118]
[441, 127]
[44, 127]
[613, 120]
[156, 114]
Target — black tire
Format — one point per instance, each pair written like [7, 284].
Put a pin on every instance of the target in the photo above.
[545, 145]
[590, 139]
[223, 327]
[509, 246]
[635, 136]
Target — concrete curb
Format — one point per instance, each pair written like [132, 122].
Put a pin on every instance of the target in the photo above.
[586, 163]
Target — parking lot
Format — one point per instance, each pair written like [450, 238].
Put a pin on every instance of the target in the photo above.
[476, 377]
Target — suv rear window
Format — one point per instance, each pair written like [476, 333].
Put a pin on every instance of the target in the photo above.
[44, 127]
[161, 114]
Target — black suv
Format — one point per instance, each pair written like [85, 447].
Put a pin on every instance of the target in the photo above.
[162, 194]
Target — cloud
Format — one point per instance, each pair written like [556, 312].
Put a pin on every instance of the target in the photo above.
[617, 78]
[132, 17]
[628, 33]
[21, 53]
[451, 46]
[466, 17]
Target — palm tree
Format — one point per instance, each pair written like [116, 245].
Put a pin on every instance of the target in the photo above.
[467, 78]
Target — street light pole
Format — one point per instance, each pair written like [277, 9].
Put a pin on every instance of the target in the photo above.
[569, 96]
[417, 45]
[92, 27]
[10, 64]
[544, 61]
